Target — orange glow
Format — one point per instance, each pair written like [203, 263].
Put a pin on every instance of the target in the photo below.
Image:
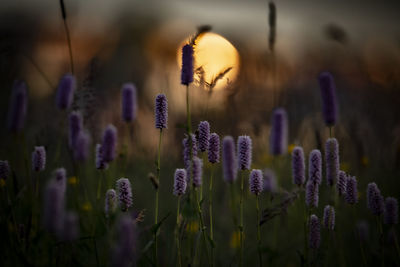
[214, 54]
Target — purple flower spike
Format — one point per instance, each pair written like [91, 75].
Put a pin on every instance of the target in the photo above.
[197, 171]
[187, 65]
[18, 107]
[341, 183]
[375, 201]
[314, 237]
[100, 163]
[75, 127]
[53, 212]
[161, 111]
[71, 227]
[204, 135]
[391, 211]
[351, 195]
[312, 197]
[124, 193]
[109, 143]
[60, 178]
[298, 166]
[110, 202]
[81, 148]
[4, 169]
[256, 182]
[65, 92]
[279, 132]
[213, 148]
[180, 182]
[332, 161]
[269, 184]
[244, 152]
[329, 217]
[39, 159]
[315, 166]
[187, 144]
[229, 159]
[328, 94]
[128, 102]
[124, 252]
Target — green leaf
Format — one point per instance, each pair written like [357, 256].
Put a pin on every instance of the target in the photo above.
[148, 246]
[212, 243]
[155, 227]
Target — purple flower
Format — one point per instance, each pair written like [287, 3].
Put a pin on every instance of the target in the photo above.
[213, 148]
[269, 184]
[312, 197]
[328, 94]
[375, 201]
[70, 230]
[363, 230]
[109, 143]
[180, 182]
[298, 166]
[329, 217]
[187, 65]
[204, 135]
[124, 251]
[351, 195]
[187, 144]
[229, 159]
[124, 193]
[81, 147]
[279, 132]
[315, 166]
[341, 183]
[75, 127]
[39, 159]
[332, 161]
[65, 92]
[110, 202]
[53, 212]
[161, 111]
[4, 169]
[314, 237]
[244, 152]
[60, 178]
[197, 171]
[100, 163]
[256, 182]
[391, 211]
[128, 102]
[18, 107]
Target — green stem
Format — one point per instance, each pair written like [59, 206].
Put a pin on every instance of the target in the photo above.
[359, 238]
[330, 131]
[178, 246]
[69, 44]
[396, 244]
[210, 202]
[259, 230]
[156, 204]
[305, 232]
[189, 123]
[202, 226]
[241, 217]
[381, 241]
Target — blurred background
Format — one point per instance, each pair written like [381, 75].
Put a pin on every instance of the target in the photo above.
[120, 41]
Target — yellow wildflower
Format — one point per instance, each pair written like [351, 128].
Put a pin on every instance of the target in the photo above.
[87, 206]
[72, 180]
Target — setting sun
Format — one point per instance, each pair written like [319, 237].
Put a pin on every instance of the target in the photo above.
[214, 56]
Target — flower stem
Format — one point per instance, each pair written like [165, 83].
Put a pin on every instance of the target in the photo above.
[203, 228]
[156, 201]
[241, 217]
[189, 123]
[178, 246]
[211, 214]
[259, 230]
